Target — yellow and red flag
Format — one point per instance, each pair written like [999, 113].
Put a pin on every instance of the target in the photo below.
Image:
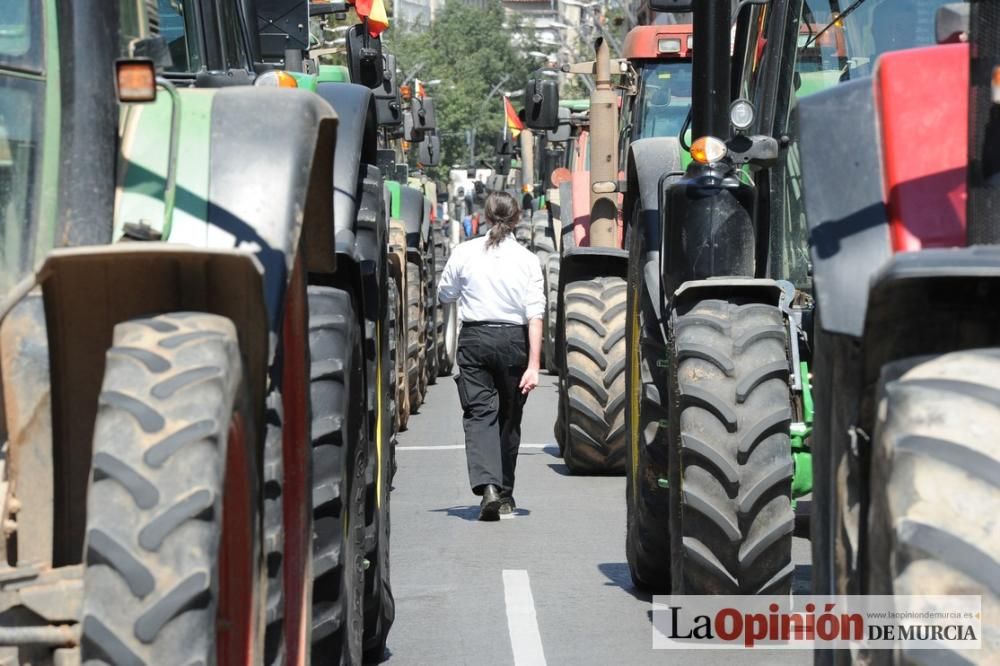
[513, 122]
[419, 91]
[374, 11]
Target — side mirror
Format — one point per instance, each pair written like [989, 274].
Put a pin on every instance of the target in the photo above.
[563, 130]
[505, 145]
[388, 103]
[411, 133]
[672, 6]
[364, 57]
[422, 110]
[541, 104]
[429, 152]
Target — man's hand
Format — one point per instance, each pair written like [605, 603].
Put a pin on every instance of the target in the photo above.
[529, 380]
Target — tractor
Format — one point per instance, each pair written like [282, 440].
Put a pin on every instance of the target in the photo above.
[907, 278]
[361, 278]
[717, 410]
[588, 319]
[155, 370]
[589, 337]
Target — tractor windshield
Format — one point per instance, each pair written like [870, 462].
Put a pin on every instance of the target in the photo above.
[22, 112]
[839, 41]
[664, 99]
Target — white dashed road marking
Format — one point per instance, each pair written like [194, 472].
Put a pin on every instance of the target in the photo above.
[522, 622]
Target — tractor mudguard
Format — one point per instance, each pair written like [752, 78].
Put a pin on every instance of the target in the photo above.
[225, 135]
[412, 209]
[848, 228]
[87, 291]
[357, 143]
[584, 263]
[290, 175]
[932, 302]
[648, 160]
[754, 289]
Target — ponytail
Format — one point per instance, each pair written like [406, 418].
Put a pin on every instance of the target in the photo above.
[502, 213]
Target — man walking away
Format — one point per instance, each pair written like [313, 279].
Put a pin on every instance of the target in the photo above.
[498, 286]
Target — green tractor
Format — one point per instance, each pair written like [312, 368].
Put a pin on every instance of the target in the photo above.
[161, 439]
[716, 390]
[155, 387]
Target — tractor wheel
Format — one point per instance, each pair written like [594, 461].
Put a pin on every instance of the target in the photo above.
[274, 537]
[551, 313]
[522, 232]
[541, 233]
[543, 259]
[380, 607]
[414, 339]
[401, 334]
[430, 333]
[174, 567]
[440, 312]
[730, 458]
[392, 303]
[935, 491]
[647, 540]
[594, 378]
[340, 459]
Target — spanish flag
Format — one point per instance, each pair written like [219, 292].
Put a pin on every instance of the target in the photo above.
[374, 11]
[513, 122]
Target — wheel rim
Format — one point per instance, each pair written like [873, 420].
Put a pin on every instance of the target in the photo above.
[235, 627]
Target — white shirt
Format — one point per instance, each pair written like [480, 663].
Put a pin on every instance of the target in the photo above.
[502, 283]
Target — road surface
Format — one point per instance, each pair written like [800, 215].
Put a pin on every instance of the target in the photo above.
[548, 585]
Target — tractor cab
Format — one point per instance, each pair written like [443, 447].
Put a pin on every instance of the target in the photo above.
[661, 56]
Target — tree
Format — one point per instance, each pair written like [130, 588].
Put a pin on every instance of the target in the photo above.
[470, 50]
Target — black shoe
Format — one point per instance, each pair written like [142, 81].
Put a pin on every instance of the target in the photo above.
[489, 508]
[507, 505]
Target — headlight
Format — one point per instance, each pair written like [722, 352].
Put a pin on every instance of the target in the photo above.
[741, 114]
[276, 79]
[668, 45]
[708, 150]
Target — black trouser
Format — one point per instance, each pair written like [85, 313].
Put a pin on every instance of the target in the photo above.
[491, 360]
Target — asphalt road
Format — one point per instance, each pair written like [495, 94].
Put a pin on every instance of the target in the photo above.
[548, 585]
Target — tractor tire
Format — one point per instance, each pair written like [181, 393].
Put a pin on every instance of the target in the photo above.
[730, 455]
[392, 304]
[647, 539]
[430, 333]
[594, 377]
[935, 491]
[379, 604]
[522, 232]
[551, 313]
[442, 312]
[340, 459]
[541, 233]
[173, 559]
[274, 536]
[415, 368]
[402, 397]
